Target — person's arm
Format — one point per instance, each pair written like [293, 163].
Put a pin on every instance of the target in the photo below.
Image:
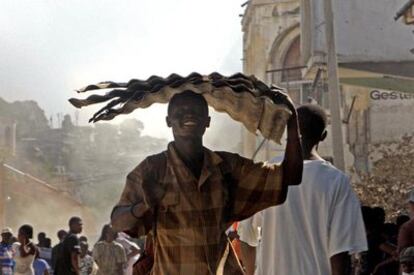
[346, 231]
[74, 260]
[47, 268]
[340, 263]
[388, 248]
[125, 217]
[249, 239]
[134, 210]
[404, 238]
[292, 165]
[46, 272]
[248, 257]
[134, 251]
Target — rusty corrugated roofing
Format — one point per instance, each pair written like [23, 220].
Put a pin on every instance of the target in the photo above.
[244, 98]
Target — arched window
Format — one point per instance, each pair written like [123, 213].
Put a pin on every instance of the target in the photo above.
[292, 59]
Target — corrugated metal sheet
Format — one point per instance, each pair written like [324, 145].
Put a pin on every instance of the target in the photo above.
[244, 98]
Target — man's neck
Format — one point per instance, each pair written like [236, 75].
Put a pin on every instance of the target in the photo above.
[310, 151]
[191, 152]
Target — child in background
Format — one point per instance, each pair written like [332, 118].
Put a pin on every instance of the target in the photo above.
[407, 261]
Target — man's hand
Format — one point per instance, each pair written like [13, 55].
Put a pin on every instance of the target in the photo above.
[284, 98]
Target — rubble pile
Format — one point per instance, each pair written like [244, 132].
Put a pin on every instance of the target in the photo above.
[391, 176]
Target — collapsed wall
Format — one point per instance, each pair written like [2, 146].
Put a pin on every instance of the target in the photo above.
[381, 138]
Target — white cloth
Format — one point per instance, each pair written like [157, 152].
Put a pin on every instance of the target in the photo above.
[320, 218]
[128, 246]
[24, 265]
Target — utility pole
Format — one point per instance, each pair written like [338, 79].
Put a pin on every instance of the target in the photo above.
[333, 86]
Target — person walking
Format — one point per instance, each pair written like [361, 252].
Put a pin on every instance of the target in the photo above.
[25, 251]
[6, 252]
[68, 262]
[318, 226]
[57, 249]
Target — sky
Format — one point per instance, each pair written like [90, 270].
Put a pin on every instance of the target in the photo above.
[49, 48]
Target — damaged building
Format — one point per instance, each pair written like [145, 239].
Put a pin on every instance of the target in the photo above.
[284, 44]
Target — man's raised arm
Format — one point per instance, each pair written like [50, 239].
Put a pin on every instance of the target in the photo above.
[292, 165]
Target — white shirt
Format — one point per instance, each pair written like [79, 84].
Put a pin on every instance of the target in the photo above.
[320, 218]
[128, 246]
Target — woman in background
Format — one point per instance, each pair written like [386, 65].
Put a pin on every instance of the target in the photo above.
[25, 251]
[108, 254]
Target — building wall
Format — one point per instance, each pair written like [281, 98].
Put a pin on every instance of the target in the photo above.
[365, 31]
[379, 117]
[391, 115]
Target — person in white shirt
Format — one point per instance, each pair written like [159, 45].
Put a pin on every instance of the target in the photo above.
[318, 226]
[132, 252]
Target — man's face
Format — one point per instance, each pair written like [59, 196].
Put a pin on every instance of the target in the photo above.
[84, 249]
[110, 235]
[188, 118]
[77, 227]
[407, 267]
[41, 237]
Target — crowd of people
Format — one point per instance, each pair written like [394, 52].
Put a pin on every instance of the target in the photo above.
[113, 254]
[384, 247]
[390, 249]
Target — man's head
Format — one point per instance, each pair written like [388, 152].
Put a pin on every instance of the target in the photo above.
[25, 233]
[188, 115]
[75, 225]
[41, 237]
[61, 234]
[312, 123]
[83, 239]
[108, 234]
[48, 243]
[6, 235]
[407, 260]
